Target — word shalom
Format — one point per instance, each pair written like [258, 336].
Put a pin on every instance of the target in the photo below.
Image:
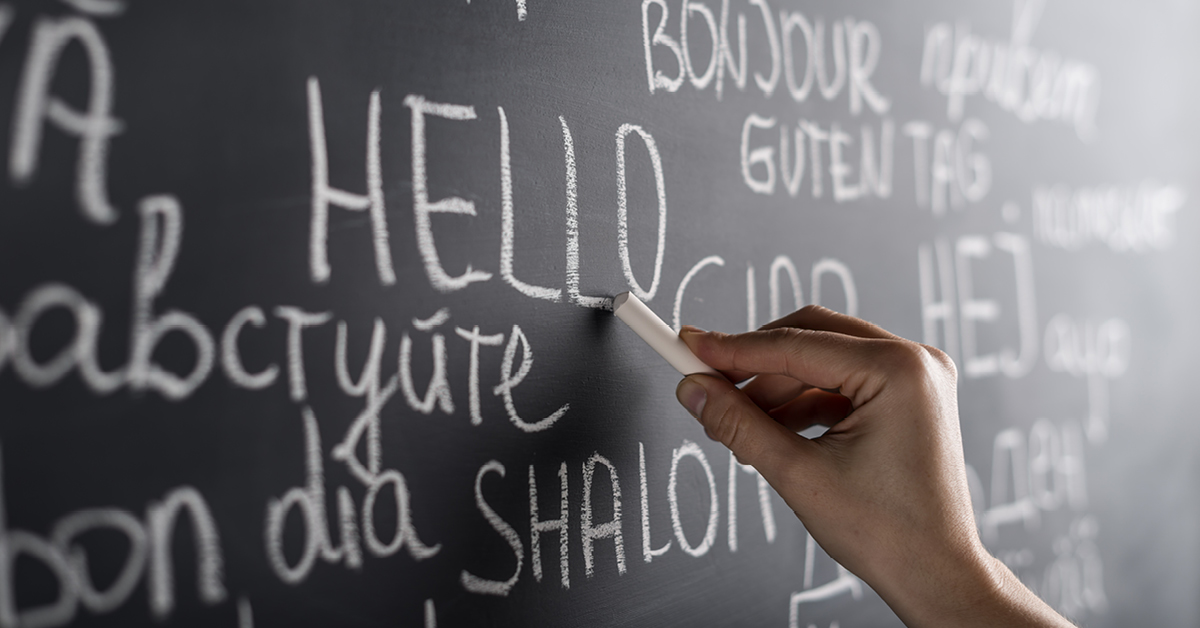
[551, 512]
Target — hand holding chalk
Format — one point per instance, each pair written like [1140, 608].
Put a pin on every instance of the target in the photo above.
[884, 491]
[658, 335]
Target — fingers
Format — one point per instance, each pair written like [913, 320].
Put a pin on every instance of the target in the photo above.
[795, 404]
[737, 377]
[813, 317]
[769, 391]
[733, 376]
[825, 319]
[822, 359]
[814, 407]
[756, 439]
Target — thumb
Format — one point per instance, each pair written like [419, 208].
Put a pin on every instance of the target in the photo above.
[730, 417]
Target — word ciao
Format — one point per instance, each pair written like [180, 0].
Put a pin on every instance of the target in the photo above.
[783, 277]
[149, 540]
[1033, 85]
[797, 53]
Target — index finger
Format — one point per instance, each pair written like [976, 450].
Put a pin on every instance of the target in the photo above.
[857, 366]
[823, 318]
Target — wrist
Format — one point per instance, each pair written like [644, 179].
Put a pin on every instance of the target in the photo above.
[948, 588]
[971, 589]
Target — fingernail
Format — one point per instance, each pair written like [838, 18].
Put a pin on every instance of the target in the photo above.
[692, 395]
[690, 329]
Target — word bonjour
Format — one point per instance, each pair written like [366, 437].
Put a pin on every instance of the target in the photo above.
[855, 45]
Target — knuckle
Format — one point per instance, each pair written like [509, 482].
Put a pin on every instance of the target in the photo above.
[938, 354]
[951, 369]
[792, 337]
[903, 358]
[785, 348]
[923, 370]
[783, 334]
[812, 309]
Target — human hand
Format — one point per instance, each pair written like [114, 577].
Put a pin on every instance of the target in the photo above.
[884, 490]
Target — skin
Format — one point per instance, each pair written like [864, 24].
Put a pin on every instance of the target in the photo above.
[884, 491]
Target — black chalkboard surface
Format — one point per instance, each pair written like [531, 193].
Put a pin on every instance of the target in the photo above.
[303, 304]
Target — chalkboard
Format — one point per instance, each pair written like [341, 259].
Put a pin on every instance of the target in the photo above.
[303, 303]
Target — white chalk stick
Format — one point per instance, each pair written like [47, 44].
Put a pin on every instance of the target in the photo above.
[658, 335]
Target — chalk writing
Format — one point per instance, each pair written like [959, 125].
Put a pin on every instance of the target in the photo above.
[1126, 219]
[1031, 84]
[398, 358]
